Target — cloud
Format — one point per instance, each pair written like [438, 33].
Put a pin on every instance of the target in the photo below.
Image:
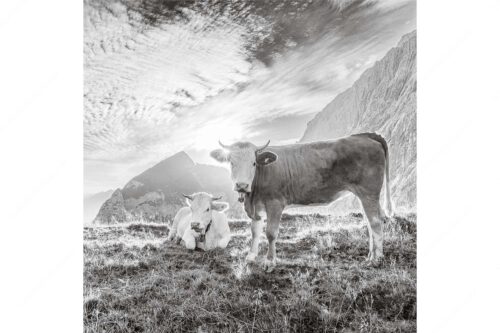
[157, 82]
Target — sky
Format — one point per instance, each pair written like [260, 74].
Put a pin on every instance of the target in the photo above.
[165, 76]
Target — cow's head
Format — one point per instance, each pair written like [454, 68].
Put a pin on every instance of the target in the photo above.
[202, 204]
[244, 157]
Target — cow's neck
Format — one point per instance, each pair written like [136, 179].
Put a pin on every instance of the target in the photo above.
[267, 178]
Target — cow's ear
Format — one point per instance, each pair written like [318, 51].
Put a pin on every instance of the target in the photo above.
[220, 206]
[266, 157]
[219, 155]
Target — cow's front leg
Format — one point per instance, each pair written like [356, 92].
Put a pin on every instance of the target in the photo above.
[189, 239]
[254, 247]
[274, 211]
[222, 243]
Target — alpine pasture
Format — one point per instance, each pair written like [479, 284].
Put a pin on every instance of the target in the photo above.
[136, 281]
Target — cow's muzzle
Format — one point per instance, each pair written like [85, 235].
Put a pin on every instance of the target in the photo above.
[201, 231]
[196, 226]
[242, 187]
[242, 195]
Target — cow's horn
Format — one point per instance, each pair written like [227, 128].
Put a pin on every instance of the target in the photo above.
[259, 149]
[223, 145]
[187, 196]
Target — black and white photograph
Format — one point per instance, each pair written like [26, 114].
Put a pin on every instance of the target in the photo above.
[249, 166]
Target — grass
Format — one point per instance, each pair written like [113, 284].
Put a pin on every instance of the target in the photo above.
[134, 281]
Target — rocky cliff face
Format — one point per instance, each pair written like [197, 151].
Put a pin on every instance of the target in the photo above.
[113, 210]
[382, 100]
[156, 194]
[92, 204]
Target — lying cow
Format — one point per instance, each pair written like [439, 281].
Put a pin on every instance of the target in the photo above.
[202, 224]
[271, 178]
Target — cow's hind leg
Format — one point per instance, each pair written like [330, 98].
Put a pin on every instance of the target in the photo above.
[256, 228]
[373, 211]
[274, 211]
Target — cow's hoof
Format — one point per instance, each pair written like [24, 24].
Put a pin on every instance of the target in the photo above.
[251, 258]
[375, 262]
[269, 265]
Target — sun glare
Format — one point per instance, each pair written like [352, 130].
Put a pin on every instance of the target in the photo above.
[208, 136]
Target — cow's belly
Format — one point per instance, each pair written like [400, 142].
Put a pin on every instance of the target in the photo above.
[323, 198]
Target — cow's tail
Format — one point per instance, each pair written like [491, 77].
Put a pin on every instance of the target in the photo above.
[388, 201]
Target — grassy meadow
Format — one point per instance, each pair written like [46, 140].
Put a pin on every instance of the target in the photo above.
[135, 281]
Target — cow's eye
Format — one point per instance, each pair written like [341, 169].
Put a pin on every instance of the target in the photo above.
[253, 163]
[208, 209]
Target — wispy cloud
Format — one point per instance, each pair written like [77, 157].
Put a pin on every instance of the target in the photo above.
[184, 80]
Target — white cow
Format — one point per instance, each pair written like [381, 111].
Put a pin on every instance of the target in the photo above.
[202, 224]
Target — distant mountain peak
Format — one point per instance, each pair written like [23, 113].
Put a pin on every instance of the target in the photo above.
[172, 166]
[156, 193]
[180, 158]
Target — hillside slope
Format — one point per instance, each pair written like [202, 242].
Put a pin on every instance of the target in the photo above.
[156, 194]
[382, 100]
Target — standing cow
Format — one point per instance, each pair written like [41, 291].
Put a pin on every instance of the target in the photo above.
[271, 178]
[202, 224]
